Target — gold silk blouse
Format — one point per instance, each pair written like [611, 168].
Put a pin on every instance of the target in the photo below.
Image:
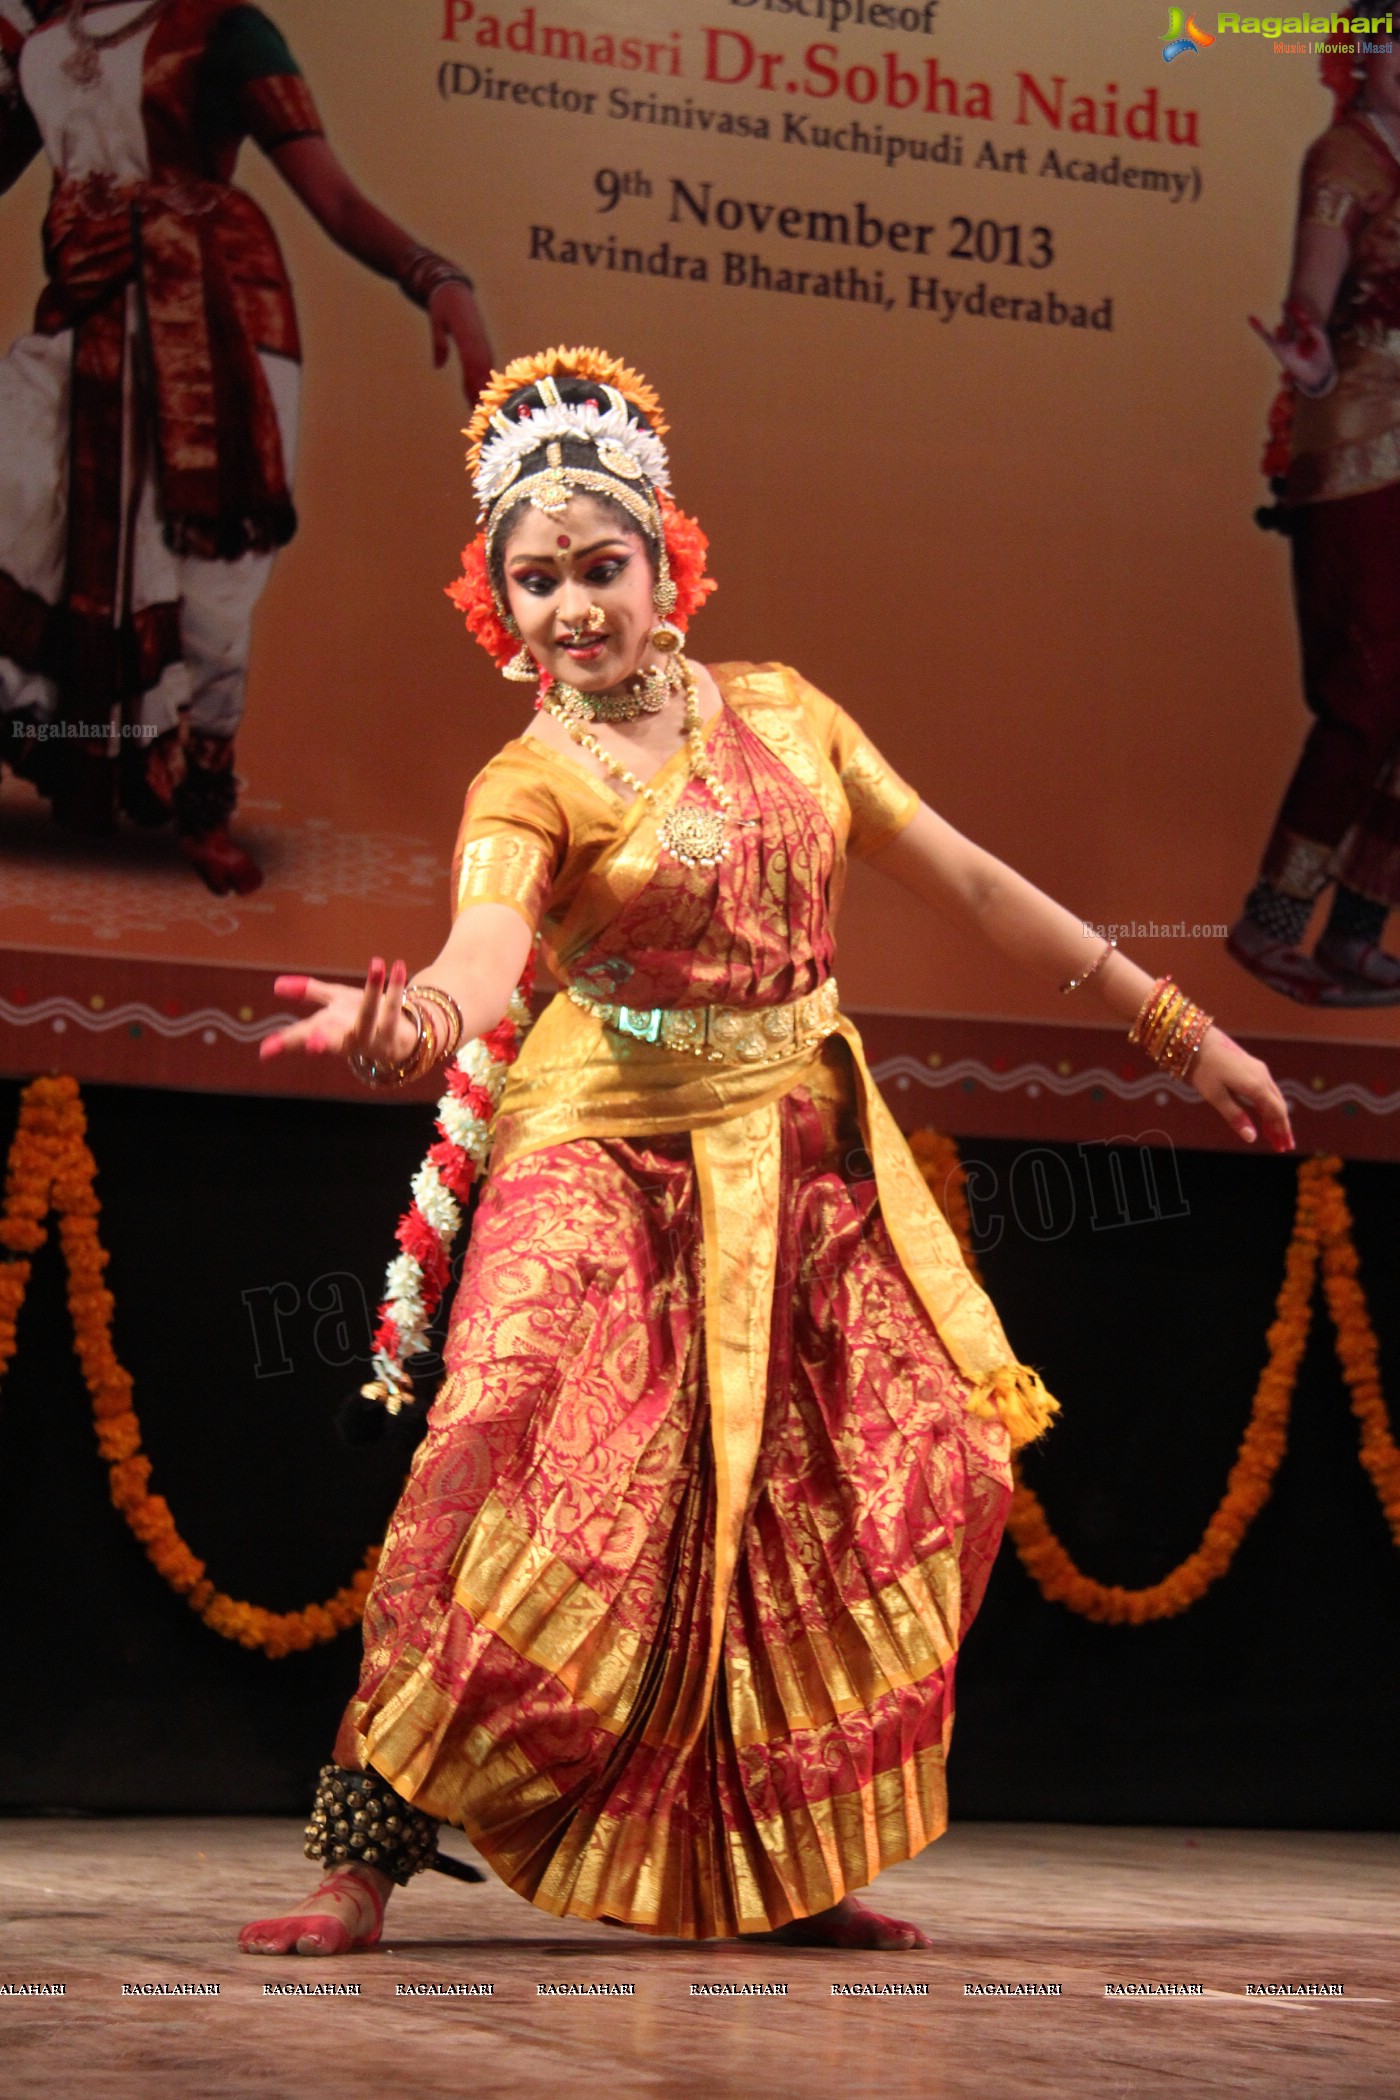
[1348, 442]
[623, 923]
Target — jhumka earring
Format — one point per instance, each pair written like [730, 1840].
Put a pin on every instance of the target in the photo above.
[666, 636]
[522, 668]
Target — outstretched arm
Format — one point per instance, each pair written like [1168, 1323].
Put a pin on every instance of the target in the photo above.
[479, 966]
[314, 171]
[942, 868]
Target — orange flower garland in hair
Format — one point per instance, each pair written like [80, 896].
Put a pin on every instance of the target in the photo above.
[1322, 1229]
[51, 1169]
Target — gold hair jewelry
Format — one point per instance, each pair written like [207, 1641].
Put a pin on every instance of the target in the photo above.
[697, 838]
[577, 363]
[551, 490]
[1088, 976]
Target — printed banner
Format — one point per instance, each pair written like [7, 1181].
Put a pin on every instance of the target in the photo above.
[948, 306]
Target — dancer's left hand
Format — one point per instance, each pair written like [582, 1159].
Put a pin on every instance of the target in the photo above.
[456, 322]
[1242, 1089]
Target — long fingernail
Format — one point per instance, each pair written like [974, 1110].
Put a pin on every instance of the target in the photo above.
[1249, 1133]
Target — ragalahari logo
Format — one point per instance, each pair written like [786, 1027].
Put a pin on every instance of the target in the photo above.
[1183, 35]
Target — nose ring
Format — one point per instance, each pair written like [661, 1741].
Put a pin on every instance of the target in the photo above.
[593, 622]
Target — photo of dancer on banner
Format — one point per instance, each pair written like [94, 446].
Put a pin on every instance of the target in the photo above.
[1335, 460]
[148, 424]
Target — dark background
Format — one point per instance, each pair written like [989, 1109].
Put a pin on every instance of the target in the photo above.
[1275, 1701]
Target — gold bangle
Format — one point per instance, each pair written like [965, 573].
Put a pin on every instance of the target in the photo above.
[1170, 1028]
[1187, 1047]
[1171, 1008]
[370, 1072]
[441, 1002]
[1146, 1013]
[423, 1055]
[1092, 972]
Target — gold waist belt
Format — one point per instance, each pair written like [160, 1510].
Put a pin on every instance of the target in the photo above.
[724, 1034]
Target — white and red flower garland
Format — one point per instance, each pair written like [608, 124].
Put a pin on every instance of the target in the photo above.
[418, 1275]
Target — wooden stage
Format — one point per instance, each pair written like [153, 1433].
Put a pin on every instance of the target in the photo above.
[107, 1908]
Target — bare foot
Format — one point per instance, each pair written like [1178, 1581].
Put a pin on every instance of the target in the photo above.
[344, 1914]
[850, 1924]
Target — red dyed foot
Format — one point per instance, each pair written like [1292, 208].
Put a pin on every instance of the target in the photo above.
[850, 1924]
[343, 1916]
[221, 862]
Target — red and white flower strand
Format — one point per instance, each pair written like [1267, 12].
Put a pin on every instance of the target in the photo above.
[418, 1275]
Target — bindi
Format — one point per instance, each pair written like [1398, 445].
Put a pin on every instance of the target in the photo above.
[563, 540]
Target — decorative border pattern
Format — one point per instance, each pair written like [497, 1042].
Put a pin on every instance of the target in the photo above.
[1096, 1081]
[98, 1018]
[165, 1022]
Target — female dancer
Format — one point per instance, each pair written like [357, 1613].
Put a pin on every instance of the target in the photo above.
[1339, 343]
[148, 425]
[668, 1614]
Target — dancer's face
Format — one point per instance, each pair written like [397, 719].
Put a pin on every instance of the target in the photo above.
[1382, 92]
[556, 569]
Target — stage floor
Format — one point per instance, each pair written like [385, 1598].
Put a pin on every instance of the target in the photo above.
[99, 1906]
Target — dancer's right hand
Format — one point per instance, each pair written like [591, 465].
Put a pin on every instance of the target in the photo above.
[371, 1023]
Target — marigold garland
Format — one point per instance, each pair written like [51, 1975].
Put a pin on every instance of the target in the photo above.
[1357, 1349]
[1322, 1231]
[51, 1169]
[579, 363]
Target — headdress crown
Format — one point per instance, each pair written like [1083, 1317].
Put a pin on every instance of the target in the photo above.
[615, 412]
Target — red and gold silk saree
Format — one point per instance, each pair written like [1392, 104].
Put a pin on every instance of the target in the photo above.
[668, 1613]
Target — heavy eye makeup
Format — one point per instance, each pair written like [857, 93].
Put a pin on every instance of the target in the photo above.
[605, 569]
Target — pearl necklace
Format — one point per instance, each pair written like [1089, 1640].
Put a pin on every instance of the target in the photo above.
[697, 838]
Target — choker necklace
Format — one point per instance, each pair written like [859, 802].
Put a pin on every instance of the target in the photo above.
[83, 64]
[696, 837]
[645, 693]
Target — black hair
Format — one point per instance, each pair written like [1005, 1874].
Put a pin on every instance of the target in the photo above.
[574, 452]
